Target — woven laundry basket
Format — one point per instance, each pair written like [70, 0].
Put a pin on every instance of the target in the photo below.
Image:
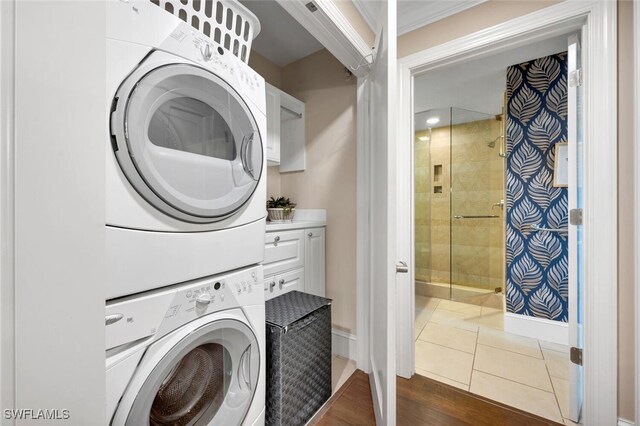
[227, 22]
[298, 357]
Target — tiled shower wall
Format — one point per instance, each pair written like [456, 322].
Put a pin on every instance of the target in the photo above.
[469, 252]
[422, 208]
[537, 262]
[477, 245]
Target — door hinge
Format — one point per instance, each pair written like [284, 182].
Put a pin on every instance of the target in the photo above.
[575, 216]
[575, 78]
[575, 355]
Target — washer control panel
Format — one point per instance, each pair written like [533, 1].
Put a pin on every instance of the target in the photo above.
[217, 293]
[160, 311]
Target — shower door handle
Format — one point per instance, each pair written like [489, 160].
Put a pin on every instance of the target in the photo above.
[401, 267]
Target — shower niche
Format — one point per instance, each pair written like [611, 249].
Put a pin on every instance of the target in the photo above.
[459, 185]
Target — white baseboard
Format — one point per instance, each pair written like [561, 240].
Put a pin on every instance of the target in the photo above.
[537, 328]
[343, 344]
[625, 422]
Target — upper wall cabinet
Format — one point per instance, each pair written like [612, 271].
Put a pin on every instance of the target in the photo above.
[285, 131]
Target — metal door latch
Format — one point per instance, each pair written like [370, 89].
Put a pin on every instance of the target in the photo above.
[401, 267]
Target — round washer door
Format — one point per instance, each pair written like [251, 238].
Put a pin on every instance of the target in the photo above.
[208, 378]
[186, 141]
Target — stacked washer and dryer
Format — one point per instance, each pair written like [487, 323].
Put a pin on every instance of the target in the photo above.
[186, 192]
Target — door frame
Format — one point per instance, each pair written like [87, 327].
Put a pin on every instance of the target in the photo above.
[636, 136]
[7, 203]
[599, 22]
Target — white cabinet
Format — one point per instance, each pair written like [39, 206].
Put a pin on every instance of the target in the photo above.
[283, 251]
[314, 261]
[285, 130]
[275, 285]
[273, 125]
[294, 260]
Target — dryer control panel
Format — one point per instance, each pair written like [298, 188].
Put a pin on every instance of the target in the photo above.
[161, 311]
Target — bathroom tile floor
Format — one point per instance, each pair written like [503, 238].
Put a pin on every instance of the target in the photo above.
[464, 345]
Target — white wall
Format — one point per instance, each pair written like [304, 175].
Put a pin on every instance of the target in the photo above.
[60, 130]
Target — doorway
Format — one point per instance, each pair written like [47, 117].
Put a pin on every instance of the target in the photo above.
[464, 210]
[599, 405]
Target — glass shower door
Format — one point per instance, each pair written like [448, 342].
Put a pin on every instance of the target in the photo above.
[476, 204]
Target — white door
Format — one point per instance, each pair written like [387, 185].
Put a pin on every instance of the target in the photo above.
[382, 84]
[575, 149]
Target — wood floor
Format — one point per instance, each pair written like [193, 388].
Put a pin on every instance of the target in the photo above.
[420, 401]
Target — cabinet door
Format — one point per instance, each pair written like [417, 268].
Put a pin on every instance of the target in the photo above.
[280, 284]
[273, 125]
[292, 136]
[314, 261]
[283, 251]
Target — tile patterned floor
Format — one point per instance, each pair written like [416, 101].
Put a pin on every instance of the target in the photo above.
[465, 346]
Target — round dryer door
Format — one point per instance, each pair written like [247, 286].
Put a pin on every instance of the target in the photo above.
[208, 378]
[186, 141]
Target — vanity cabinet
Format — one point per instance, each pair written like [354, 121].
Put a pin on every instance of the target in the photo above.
[285, 131]
[278, 284]
[294, 260]
[314, 261]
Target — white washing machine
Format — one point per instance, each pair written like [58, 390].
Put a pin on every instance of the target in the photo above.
[185, 162]
[192, 354]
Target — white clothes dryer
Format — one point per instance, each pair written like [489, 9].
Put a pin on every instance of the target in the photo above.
[185, 163]
[191, 354]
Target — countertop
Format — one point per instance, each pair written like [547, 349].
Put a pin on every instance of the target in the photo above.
[302, 218]
[296, 224]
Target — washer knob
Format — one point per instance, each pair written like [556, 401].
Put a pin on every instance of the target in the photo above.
[203, 301]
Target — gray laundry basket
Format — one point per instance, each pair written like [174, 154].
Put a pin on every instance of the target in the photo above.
[298, 357]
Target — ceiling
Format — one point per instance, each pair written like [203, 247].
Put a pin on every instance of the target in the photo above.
[282, 39]
[413, 14]
[476, 85]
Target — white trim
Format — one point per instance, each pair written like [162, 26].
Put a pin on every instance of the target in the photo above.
[344, 344]
[363, 250]
[7, 204]
[333, 31]
[537, 328]
[412, 15]
[625, 422]
[600, 218]
[419, 18]
[636, 136]
[345, 27]
[405, 330]
[366, 14]
[545, 23]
